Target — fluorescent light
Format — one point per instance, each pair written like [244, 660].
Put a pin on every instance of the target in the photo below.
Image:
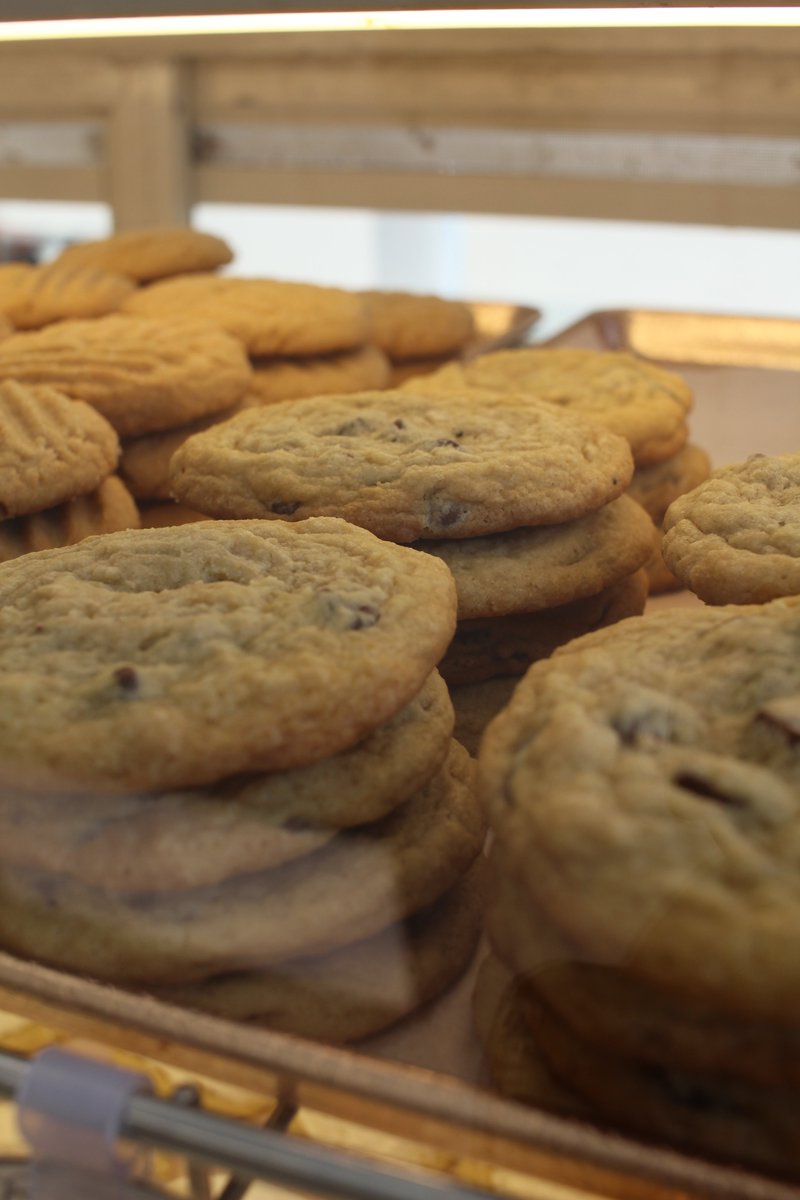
[502, 18]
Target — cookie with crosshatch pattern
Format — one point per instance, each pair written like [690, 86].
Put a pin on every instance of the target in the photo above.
[147, 254]
[141, 376]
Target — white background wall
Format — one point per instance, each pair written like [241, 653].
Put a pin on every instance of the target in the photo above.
[564, 267]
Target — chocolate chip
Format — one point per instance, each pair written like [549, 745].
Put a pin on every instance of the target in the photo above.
[399, 423]
[707, 790]
[284, 508]
[365, 616]
[126, 679]
[445, 442]
[351, 428]
[38, 629]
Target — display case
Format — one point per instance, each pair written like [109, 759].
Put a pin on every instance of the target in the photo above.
[661, 114]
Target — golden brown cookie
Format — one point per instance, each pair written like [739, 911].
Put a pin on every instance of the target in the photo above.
[641, 402]
[144, 461]
[735, 539]
[361, 370]
[406, 325]
[657, 486]
[148, 659]
[533, 568]
[51, 448]
[359, 989]
[355, 886]
[141, 375]
[404, 465]
[269, 316]
[145, 254]
[493, 646]
[106, 510]
[57, 292]
[170, 841]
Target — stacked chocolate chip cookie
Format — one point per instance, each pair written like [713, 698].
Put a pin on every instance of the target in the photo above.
[642, 787]
[520, 499]
[57, 459]
[229, 775]
[644, 403]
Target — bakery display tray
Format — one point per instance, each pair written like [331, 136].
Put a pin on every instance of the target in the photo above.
[415, 1097]
[500, 326]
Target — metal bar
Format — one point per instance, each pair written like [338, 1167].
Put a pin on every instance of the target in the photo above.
[259, 1153]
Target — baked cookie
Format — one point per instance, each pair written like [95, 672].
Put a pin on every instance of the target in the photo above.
[533, 568]
[171, 841]
[6, 328]
[145, 254]
[492, 646]
[355, 886]
[644, 782]
[108, 509]
[141, 375]
[406, 466]
[269, 316]
[641, 402]
[737, 1123]
[475, 705]
[359, 989]
[51, 449]
[735, 539]
[607, 1007]
[361, 370]
[57, 292]
[657, 486]
[144, 461]
[406, 325]
[516, 1067]
[143, 659]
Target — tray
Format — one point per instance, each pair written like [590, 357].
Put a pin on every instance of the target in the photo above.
[500, 326]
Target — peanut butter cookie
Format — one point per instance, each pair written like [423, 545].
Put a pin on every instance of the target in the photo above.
[141, 375]
[406, 325]
[108, 509]
[145, 254]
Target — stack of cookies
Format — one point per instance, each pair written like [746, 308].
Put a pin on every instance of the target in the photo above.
[56, 471]
[229, 776]
[735, 539]
[642, 788]
[520, 500]
[644, 403]
[418, 334]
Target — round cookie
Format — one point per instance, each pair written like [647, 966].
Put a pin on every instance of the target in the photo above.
[533, 568]
[269, 316]
[51, 449]
[350, 889]
[657, 486]
[492, 646]
[641, 402]
[164, 658]
[171, 841]
[359, 989]
[108, 509]
[516, 1067]
[735, 539]
[409, 326]
[644, 781]
[720, 1118]
[57, 292]
[364, 369]
[145, 254]
[607, 1007]
[141, 375]
[405, 466]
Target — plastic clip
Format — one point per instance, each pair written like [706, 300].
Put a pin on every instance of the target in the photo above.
[71, 1111]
